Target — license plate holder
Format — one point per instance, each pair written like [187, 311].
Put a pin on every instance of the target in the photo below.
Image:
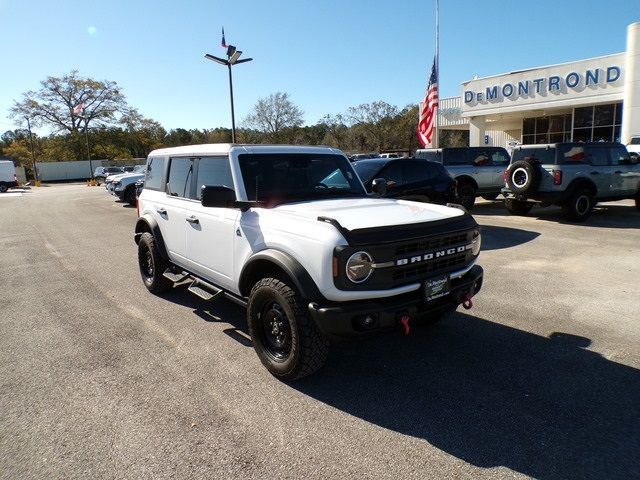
[436, 287]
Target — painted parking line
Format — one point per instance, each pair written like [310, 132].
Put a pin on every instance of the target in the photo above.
[10, 194]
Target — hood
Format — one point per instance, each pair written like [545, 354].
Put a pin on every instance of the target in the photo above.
[361, 213]
[115, 178]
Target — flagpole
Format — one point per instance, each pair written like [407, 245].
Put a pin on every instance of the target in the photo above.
[437, 131]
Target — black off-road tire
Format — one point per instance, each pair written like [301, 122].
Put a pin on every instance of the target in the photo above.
[518, 207]
[491, 197]
[3, 188]
[466, 195]
[130, 195]
[152, 265]
[523, 176]
[304, 348]
[579, 205]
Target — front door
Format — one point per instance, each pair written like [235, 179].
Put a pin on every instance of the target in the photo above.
[211, 231]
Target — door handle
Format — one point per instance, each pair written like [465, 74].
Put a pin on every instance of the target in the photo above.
[595, 173]
[192, 219]
[161, 211]
[618, 171]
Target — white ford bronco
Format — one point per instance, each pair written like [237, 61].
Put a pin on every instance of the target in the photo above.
[290, 233]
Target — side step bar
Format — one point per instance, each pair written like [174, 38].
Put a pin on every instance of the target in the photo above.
[204, 290]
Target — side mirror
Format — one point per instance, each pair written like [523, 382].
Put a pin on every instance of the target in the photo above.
[217, 196]
[634, 159]
[379, 186]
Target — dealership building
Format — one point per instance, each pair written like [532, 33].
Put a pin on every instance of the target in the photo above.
[597, 99]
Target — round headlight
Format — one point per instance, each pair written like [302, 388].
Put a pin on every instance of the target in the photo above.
[476, 243]
[359, 267]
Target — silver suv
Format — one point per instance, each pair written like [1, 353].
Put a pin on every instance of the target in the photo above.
[478, 170]
[573, 175]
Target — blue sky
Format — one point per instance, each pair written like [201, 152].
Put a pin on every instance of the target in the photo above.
[327, 54]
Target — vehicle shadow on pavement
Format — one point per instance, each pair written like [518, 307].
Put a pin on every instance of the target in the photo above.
[497, 238]
[604, 215]
[223, 311]
[493, 396]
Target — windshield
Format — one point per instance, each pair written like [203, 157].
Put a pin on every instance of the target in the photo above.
[282, 177]
[366, 169]
[139, 169]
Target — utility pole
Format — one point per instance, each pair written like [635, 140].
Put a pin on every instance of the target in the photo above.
[33, 152]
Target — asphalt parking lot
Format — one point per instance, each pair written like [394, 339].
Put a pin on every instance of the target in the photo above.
[100, 379]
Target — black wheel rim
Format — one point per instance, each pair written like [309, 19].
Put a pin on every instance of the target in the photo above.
[146, 264]
[275, 331]
[582, 205]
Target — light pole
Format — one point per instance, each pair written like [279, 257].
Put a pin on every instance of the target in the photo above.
[233, 56]
[33, 154]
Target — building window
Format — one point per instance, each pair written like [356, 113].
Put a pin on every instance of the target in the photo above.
[552, 129]
[600, 123]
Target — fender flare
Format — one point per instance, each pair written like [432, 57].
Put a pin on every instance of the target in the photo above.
[289, 265]
[464, 178]
[146, 223]
[580, 183]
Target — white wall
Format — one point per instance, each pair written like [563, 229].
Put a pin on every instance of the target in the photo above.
[75, 170]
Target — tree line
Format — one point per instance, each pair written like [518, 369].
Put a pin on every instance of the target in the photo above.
[80, 110]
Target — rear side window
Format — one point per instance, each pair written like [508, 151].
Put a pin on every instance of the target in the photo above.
[598, 156]
[180, 176]
[431, 156]
[155, 172]
[455, 156]
[479, 158]
[543, 155]
[499, 157]
[421, 171]
[568, 154]
[213, 171]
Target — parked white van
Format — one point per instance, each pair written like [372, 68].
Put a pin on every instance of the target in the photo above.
[8, 176]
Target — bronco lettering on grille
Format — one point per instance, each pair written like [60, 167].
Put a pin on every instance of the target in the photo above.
[430, 256]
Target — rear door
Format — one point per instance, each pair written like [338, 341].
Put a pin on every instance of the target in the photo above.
[601, 171]
[456, 161]
[210, 232]
[170, 208]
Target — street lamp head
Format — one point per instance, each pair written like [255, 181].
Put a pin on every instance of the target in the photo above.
[231, 49]
[235, 56]
[221, 61]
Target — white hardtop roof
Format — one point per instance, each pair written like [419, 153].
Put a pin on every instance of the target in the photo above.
[224, 148]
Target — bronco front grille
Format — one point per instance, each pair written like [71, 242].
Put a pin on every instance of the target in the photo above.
[426, 245]
[419, 270]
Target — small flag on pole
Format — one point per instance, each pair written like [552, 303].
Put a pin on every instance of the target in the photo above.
[79, 109]
[223, 43]
[429, 109]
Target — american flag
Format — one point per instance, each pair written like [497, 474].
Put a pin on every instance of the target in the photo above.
[79, 109]
[223, 43]
[428, 109]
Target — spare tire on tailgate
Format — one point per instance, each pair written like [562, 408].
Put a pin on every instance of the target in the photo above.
[523, 176]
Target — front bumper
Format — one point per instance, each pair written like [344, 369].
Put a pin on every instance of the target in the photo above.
[343, 319]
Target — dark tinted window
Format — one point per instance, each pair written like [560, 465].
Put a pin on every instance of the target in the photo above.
[180, 174]
[568, 154]
[420, 171]
[543, 155]
[393, 173]
[635, 141]
[479, 158]
[297, 176]
[155, 171]
[366, 170]
[455, 156]
[598, 156]
[499, 158]
[431, 156]
[620, 156]
[213, 171]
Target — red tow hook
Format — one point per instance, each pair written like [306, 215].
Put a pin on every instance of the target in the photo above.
[467, 304]
[404, 320]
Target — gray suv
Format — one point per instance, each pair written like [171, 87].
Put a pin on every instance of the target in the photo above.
[478, 170]
[573, 175]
